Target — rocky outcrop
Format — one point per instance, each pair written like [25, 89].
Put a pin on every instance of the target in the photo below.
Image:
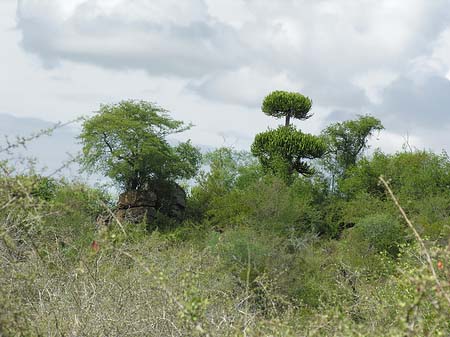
[177, 202]
[142, 206]
[137, 199]
[137, 206]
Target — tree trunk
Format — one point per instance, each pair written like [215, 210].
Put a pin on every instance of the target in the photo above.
[288, 120]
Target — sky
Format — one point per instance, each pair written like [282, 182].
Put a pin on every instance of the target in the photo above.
[211, 62]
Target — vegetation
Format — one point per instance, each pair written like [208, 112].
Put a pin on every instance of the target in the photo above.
[286, 150]
[289, 105]
[346, 141]
[127, 142]
[256, 256]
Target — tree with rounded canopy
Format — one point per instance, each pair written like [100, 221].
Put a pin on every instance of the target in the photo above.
[127, 142]
[285, 104]
[286, 150]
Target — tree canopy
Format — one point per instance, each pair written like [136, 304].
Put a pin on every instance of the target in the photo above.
[286, 150]
[347, 140]
[127, 142]
[285, 104]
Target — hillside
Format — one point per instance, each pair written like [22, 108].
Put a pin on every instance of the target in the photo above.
[255, 255]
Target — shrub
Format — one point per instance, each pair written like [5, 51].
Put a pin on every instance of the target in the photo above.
[382, 232]
[414, 175]
[271, 205]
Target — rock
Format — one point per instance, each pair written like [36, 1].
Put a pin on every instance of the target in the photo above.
[142, 205]
[137, 199]
[136, 214]
[137, 206]
[171, 200]
[178, 202]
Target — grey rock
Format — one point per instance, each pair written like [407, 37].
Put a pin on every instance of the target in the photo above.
[142, 206]
[178, 202]
[137, 199]
[136, 214]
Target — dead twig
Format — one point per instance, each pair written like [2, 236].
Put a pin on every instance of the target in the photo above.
[113, 216]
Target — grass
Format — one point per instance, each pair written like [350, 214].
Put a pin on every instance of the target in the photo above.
[249, 272]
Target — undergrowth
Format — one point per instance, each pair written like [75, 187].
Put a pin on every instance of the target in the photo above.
[259, 259]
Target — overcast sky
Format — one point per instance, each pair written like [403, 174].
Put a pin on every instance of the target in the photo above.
[211, 62]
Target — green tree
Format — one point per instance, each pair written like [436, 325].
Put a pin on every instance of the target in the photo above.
[285, 104]
[286, 150]
[227, 170]
[127, 142]
[346, 141]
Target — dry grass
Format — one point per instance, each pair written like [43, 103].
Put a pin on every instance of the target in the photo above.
[54, 283]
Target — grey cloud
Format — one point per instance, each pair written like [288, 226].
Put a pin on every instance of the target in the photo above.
[408, 105]
[320, 50]
[339, 116]
[330, 50]
[334, 49]
[112, 41]
[414, 105]
[338, 93]
[51, 152]
[246, 86]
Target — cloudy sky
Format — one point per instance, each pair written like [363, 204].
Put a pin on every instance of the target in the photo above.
[211, 62]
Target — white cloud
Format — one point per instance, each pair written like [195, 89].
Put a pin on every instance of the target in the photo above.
[245, 86]
[212, 61]
[373, 82]
[435, 62]
[393, 142]
[161, 37]
[235, 13]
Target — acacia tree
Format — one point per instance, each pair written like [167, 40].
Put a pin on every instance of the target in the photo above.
[127, 142]
[346, 141]
[286, 150]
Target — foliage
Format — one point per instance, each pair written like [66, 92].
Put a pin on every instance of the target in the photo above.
[127, 142]
[346, 141]
[225, 169]
[262, 257]
[285, 151]
[272, 206]
[382, 232]
[413, 174]
[283, 104]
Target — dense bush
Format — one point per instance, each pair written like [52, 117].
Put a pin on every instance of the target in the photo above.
[382, 233]
[255, 257]
[414, 175]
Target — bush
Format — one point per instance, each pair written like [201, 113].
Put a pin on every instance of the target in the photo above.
[413, 175]
[269, 204]
[382, 233]
[244, 252]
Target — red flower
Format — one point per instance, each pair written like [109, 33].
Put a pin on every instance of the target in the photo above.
[440, 265]
[95, 246]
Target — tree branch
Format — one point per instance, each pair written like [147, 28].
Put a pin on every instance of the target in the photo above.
[111, 150]
[105, 139]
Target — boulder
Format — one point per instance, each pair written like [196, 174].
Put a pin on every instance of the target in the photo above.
[178, 202]
[137, 199]
[137, 206]
[136, 214]
[142, 205]
[171, 200]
